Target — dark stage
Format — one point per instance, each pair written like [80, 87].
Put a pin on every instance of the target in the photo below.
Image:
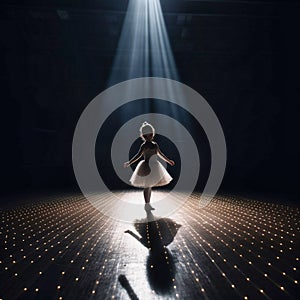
[61, 247]
[92, 92]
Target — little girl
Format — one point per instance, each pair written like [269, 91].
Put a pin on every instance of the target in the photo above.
[149, 172]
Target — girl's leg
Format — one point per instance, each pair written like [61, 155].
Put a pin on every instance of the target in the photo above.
[147, 194]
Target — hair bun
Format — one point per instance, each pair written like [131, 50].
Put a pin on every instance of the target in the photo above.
[147, 128]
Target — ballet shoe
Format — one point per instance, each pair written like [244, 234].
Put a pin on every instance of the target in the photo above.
[149, 207]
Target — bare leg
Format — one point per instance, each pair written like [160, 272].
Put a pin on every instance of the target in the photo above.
[147, 194]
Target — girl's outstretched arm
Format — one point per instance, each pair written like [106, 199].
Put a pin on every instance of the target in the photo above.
[161, 155]
[135, 158]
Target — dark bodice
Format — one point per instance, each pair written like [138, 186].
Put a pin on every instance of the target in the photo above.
[149, 149]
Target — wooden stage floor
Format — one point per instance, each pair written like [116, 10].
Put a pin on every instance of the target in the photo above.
[61, 247]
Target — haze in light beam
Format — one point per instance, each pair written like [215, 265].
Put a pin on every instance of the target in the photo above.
[144, 49]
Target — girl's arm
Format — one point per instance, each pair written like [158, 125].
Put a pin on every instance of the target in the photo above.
[135, 158]
[162, 156]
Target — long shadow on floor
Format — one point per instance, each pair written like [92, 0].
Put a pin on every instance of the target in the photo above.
[156, 234]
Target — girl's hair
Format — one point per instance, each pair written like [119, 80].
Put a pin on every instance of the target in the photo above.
[146, 128]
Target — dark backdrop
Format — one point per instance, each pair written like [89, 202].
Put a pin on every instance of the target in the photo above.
[242, 56]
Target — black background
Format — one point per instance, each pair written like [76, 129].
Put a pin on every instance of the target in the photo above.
[242, 56]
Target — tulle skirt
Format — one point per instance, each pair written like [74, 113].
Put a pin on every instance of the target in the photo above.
[150, 174]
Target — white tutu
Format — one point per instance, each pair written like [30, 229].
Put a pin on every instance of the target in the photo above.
[149, 174]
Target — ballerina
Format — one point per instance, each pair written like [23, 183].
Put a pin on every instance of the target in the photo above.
[149, 172]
